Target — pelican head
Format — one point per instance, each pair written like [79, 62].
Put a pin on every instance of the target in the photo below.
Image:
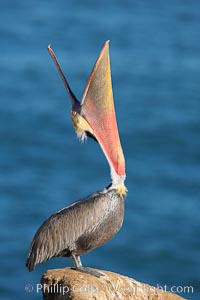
[94, 115]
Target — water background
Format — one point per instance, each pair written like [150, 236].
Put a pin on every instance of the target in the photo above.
[155, 61]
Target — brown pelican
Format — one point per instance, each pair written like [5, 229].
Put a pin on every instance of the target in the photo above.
[92, 221]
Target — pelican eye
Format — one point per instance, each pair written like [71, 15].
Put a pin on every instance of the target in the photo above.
[73, 113]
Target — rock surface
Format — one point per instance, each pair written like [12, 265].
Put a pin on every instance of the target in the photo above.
[63, 284]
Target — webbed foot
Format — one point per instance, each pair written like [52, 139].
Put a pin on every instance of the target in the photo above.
[89, 271]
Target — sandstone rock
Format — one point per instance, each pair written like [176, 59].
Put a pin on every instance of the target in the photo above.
[63, 284]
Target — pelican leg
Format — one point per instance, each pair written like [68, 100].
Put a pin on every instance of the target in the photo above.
[78, 266]
[76, 260]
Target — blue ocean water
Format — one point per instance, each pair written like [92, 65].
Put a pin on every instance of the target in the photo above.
[155, 61]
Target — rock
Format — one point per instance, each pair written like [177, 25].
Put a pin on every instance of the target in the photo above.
[64, 284]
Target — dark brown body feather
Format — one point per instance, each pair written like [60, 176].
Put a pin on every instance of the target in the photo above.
[78, 228]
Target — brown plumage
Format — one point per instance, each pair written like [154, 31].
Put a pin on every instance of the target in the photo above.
[78, 228]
